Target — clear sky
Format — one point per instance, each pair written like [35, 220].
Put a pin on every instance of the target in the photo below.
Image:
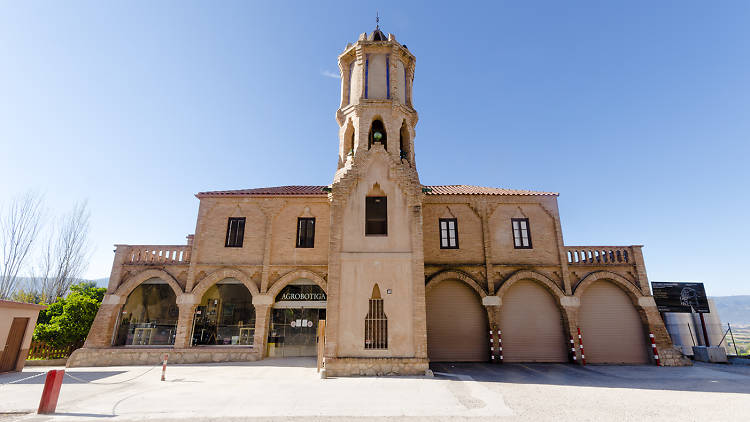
[637, 112]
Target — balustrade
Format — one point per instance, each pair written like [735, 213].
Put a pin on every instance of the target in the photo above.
[158, 254]
[599, 255]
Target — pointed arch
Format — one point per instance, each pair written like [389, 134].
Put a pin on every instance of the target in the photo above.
[136, 279]
[632, 291]
[540, 278]
[221, 274]
[377, 133]
[296, 275]
[404, 141]
[459, 275]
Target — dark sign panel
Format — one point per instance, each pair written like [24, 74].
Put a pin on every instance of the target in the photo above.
[301, 293]
[680, 297]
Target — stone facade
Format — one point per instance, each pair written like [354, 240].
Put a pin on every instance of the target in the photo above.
[346, 263]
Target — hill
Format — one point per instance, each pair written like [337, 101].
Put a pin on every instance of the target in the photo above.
[733, 309]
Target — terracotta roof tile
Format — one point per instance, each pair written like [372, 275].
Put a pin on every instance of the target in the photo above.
[481, 190]
[318, 191]
[273, 191]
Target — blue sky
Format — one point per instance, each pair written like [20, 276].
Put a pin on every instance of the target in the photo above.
[637, 113]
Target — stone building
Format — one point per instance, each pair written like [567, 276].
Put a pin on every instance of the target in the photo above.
[403, 273]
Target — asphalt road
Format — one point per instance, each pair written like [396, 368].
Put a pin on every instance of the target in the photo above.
[289, 389]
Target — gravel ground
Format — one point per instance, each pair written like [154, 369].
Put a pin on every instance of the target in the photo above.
[289, 389]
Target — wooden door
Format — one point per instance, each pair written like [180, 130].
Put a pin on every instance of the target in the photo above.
[13, 344]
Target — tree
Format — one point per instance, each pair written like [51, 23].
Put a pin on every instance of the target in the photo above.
[19, 226]
[68, 320]
[65, 257]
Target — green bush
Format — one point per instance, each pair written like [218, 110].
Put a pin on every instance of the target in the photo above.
[68, 320]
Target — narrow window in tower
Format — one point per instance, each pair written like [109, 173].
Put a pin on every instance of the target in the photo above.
[305, 232]
[367, 71]
[404, 141]
[235, 232]
[376, 322]
[349, 95]
[448, 233]
[406, 87]
[376, 216]
[521, 233]
[388, 76]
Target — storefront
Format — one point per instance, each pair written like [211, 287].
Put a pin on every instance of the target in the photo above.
[294, 320]
[225, 316]
[149, 316]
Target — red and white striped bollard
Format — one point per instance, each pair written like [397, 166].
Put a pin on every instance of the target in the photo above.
[580, 342]
[164, 367]
[653, 347]
[573, 350]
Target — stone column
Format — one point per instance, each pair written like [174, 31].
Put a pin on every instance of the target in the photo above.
[121, 252]
[492, 305]
[100, 334]
[262, 305]
[569, 308]
[640, 269]
[187, 304]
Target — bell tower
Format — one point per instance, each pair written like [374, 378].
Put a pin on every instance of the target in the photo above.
[376, 105]
[376, 321]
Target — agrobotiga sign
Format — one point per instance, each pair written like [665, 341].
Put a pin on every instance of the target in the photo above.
[680, 297]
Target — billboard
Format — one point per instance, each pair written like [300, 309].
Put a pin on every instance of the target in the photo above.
[680, 297]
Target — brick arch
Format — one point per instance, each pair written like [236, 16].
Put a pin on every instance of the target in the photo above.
[136, 279]
[455, 275]
[552, 287]
[616, 279]
[296, 275]
[221, 274]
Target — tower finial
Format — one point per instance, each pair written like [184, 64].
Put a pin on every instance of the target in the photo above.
[377, 20]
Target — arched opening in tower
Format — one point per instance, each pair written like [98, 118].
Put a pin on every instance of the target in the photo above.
[378, 134]
[404, 141]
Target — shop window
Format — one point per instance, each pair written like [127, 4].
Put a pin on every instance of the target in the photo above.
[305, 232]
[225, 316]
[235, 232]
[376, 215]
[376, 323]
[148, 317]
[521, 233]
[448, 233]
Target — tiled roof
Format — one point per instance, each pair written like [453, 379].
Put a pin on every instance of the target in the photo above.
[481, 190]
[272, 191]
[318, 191]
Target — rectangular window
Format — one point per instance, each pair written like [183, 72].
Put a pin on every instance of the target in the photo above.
[376, 215]
[305, 232]
[521, 233]
[448, 233]
[235, 232]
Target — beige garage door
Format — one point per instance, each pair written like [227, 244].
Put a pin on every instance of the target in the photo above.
[457, 329]
[611, 328]
[531, 325]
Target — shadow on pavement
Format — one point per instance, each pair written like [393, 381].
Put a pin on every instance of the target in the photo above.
[701, 377]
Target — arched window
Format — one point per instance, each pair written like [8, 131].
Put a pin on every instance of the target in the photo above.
[225, 315]
[376, 323]
[377, 134]
[348, 141]
[404, 141]
[149, 316]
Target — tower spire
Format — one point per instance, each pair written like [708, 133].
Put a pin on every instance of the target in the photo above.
[377, 20]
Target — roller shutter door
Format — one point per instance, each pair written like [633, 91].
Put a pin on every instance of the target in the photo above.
[611, 327]
[531, 325]
[457, 329]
